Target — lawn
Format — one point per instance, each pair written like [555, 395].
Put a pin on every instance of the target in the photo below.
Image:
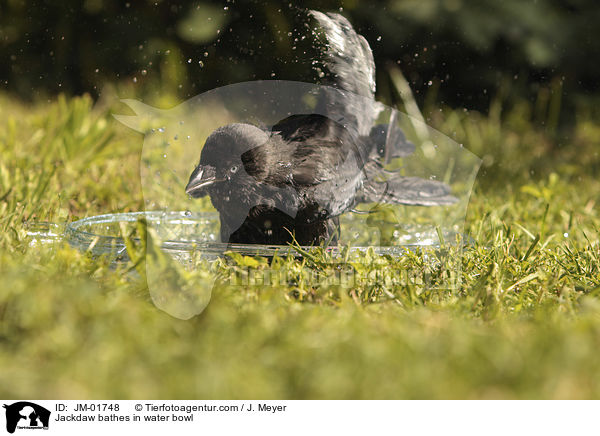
[524, 322]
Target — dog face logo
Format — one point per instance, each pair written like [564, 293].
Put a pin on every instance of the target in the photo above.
[26, 415]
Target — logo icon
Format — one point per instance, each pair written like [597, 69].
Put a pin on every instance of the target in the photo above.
[26, 415]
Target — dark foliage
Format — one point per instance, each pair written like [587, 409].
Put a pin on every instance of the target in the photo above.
[463, 52]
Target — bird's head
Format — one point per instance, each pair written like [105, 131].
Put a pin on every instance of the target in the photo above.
[221, 158]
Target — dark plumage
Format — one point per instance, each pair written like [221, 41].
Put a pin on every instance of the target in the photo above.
[300, 176]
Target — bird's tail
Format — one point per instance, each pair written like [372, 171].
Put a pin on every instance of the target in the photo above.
[346, 63]
[392, 188]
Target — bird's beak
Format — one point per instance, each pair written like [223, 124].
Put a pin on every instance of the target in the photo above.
[203, 176]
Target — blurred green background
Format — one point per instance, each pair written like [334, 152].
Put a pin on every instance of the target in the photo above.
[462, 53]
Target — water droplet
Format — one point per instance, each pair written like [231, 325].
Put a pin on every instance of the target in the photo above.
[379, 38]
[189, 60]
[201, 64]
[135, 80]
[188, 213]
[144, 72]
[161, 129]
[566, 235]
[164, 156]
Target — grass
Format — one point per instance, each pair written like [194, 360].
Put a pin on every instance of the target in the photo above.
[525, 322]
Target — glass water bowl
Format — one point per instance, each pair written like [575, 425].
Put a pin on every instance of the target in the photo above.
[184, 233]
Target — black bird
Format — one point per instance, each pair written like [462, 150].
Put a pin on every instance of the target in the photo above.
[295, 180]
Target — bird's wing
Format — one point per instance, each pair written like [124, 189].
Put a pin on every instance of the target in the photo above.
[313, 160]
[348, 58]
[389, 143]
[307, 150]
[347, 64]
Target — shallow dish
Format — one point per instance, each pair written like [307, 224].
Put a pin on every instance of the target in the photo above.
[185, 233]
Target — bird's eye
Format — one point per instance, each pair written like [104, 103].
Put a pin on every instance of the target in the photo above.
[233, 169]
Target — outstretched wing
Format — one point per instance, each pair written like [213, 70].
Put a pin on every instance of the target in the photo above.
[346, 64]
[348, 58]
